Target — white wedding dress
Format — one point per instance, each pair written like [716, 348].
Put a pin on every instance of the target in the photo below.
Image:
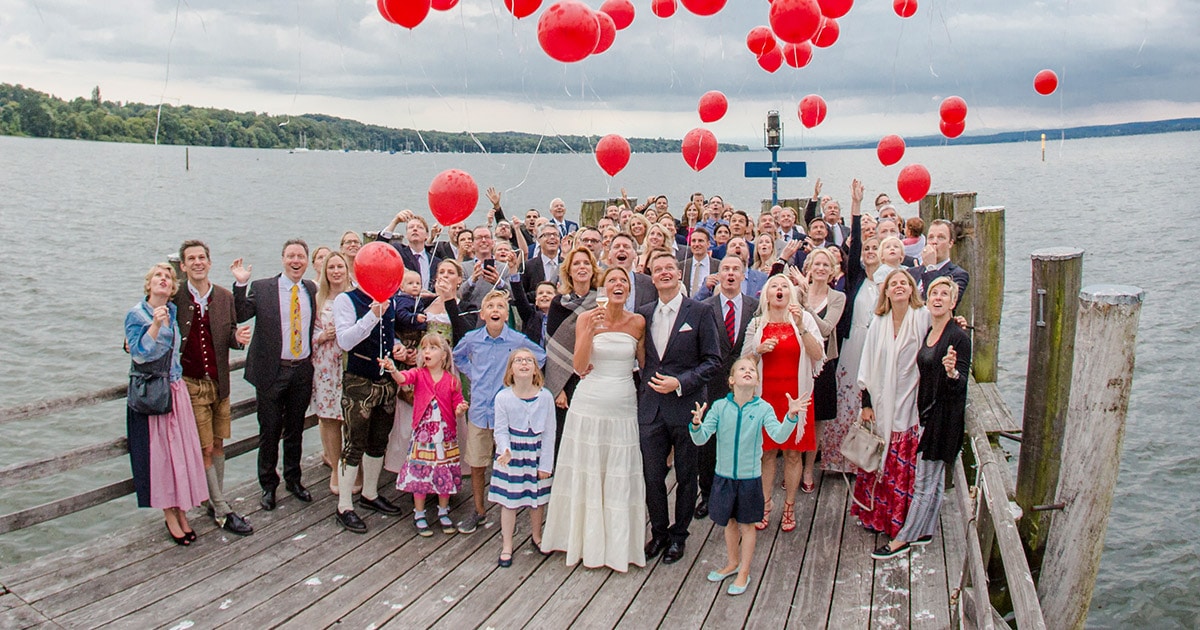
[598, 500]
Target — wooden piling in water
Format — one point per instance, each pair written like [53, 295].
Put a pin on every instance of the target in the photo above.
[988, 278]
[796, 205]
[963, 251]
[591, 211]
[1057, 276]
[1106, 333]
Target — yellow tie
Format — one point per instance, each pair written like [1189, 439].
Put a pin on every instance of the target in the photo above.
[297, 343]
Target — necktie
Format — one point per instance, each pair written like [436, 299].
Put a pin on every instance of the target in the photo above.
[552, 271]
[730, 323]
[297, 343]
[696, 275]
[662, 324]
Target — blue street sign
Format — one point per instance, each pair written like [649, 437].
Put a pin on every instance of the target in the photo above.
[786, 169]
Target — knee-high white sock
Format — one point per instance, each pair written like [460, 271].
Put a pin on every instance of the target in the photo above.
[219, 464]
[220, 507]
[346, 490]
[372, 467]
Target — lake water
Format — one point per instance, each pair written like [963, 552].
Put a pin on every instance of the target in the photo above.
[82, 222]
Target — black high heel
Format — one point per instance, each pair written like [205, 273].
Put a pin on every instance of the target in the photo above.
[182, 541]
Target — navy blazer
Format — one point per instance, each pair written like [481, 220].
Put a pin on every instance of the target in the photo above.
[410, 261]
[959, 275]
[266, 345]
[693, 355]
[719, 386]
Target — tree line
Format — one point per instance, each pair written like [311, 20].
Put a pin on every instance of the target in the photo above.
[28, 112]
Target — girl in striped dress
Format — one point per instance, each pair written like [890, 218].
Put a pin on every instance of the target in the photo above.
[524, 436]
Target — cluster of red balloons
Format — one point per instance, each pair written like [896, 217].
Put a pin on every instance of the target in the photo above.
[410, 13]
[953, 112]
[801, 24]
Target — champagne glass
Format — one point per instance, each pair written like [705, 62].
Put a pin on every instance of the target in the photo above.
[602, 302]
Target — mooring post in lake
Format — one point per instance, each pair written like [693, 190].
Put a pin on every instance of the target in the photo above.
[963, 217]
[988, 278]
[796, 205]
[1057, 276]
[1105, 338]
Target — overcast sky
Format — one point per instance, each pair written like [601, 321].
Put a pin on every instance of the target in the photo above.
[477, 68]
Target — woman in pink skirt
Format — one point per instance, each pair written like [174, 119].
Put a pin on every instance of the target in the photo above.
[164, 449]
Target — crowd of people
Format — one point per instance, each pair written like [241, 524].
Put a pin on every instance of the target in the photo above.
[567, 370]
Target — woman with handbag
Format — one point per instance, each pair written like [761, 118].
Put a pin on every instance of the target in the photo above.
[786, 341]
[888, 378]
[943, 362]
[164, 446]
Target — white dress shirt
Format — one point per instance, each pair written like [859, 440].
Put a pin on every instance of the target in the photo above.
[664, 322]
[423, 264]
[700, 271]
[285, 319]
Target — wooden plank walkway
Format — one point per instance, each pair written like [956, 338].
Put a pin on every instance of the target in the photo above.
[300, 570]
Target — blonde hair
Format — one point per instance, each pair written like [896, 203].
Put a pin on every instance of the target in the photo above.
[949, 283]
[637, 218]
[434, 339]
[793, 295]
[884, 305]
[564, 270]
[150, 276]
[759, 261]
[324, 289]
[733, 368]
[824, 251]
[494, 294]
[510, 378]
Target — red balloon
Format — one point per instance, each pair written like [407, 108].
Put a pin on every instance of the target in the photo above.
[621, 12]
[379, 270]
[713, 106]
[912, 184]
[699, 148]
[795, 21]
[797, 55]
[904, 8]
[452, 196]
[835, 8]
[1045, 82]
[953, 109]
[383, 11]
[827, 33]
[812, 110]
[608, 32]
[952, 130]
[568, 31]
[663, 8]
[760, 39]
[890, 149]
[522, 8]
[443, 5]
[612, 153]
[703, 7]
[771, 60]
[406, 13]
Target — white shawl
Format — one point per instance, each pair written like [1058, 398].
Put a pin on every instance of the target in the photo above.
[804, 377]
[888, 370]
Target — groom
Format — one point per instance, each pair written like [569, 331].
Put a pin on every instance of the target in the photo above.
[683, 353]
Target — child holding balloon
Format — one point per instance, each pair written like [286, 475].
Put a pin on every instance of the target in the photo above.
[433, 457]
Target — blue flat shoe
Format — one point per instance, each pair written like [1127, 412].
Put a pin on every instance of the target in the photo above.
[717, 576]
[734, 589]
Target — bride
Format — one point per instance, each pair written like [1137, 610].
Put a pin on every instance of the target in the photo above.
[598, 501]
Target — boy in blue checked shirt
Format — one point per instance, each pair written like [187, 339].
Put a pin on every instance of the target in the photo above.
[482, 356]
[738, 421]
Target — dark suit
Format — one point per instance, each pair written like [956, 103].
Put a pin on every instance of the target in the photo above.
[535, 274]
[410, 262]
[566, 227]
[222, 324]
[444, 250]
[643, 291]
[283, 390]
[718, 387]
[692, 355]
[924, 277]
[689, 265]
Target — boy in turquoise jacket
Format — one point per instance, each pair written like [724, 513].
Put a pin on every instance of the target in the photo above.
[737, 502]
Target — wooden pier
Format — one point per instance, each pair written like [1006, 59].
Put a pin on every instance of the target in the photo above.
[301, 570]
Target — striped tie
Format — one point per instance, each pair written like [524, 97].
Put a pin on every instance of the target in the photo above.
[297, 342]
[730, 324]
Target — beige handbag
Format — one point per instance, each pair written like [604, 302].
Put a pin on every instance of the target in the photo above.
[862, 447]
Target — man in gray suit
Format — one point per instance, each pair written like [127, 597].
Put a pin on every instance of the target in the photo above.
[279, 363]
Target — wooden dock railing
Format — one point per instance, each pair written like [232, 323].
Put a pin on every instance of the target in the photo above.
[73, 459]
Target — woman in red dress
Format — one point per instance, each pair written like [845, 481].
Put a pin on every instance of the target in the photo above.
[787, 343]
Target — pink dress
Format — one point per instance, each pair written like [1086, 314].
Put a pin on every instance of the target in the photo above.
[176, 462]
[433, 464]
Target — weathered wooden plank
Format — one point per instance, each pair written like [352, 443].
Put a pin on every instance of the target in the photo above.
[532, 594]
[952, 538]
[393, 591]
[341, 581]
[850, 606]
[777, 566]
[990, 410]
[814, 592]
[609, 603]
[929, 603]
[573, 596]
[695, 597]
[988, 292]
[472, 610]
[974, 567]
[35, 469]
[121, 592]
[890, 594]
[15, 614]
[67, 505]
